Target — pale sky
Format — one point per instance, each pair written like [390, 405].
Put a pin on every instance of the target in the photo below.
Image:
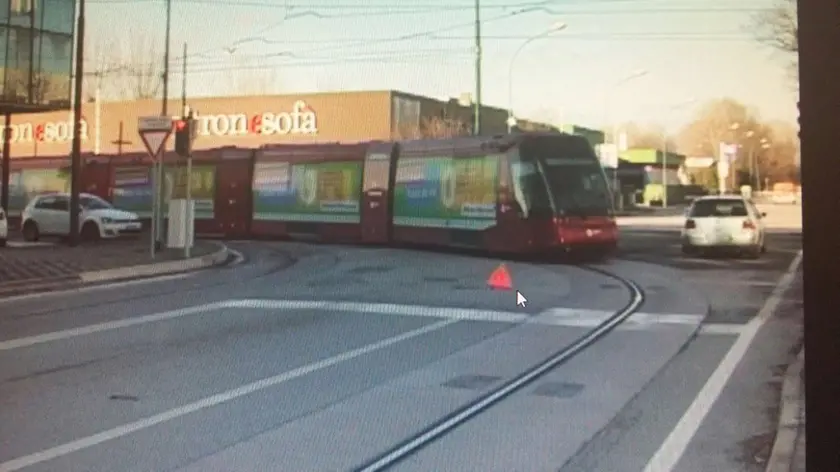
[691, 49]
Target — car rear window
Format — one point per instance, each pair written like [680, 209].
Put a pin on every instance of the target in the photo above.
[718, 208]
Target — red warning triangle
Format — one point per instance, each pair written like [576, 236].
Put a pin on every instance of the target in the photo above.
[500, 279]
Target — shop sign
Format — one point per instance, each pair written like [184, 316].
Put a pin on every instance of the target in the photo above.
[49, 132]
[301, 120]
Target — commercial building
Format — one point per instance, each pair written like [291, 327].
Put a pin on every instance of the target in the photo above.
[37, 54]
[37, 60]
[251, 121]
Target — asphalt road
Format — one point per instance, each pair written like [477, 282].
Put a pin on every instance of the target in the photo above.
[321, 358]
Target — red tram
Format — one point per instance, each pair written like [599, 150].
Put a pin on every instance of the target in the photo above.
[524, 193]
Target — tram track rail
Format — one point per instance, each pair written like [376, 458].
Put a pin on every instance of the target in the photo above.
[457, 418]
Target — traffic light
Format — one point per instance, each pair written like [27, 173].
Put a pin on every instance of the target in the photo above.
[184, 136]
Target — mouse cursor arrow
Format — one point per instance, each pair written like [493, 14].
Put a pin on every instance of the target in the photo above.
[520, 299]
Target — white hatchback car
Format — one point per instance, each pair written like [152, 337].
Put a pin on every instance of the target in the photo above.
[4, 227]
[724, 222]
[49, 215]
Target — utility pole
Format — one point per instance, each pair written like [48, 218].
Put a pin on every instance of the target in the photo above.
[164, 111]
[166, 58]
[188, 214]
[665, 172]
[184, 82]
[76, 155]
[6, 162]
[477, 126]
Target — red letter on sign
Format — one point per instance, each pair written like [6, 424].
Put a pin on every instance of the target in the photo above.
[256, 124]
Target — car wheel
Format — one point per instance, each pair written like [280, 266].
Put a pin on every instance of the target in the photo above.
[30, 232]
[688, 250]
[90, 232]
[2, 242]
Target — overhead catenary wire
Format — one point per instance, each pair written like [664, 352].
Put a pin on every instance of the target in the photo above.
[551, 7]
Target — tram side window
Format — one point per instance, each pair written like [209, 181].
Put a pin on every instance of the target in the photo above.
[376, 173]
[529, 190]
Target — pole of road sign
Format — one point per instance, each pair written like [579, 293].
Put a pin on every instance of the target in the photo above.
[161, 191]
[154, 130]
[188, 219]
[153, 227]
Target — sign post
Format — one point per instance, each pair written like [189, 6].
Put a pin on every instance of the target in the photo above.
[154, 130]
[188, 219]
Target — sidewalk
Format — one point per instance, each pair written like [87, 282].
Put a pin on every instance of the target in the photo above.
[28, 268]
[788, 453]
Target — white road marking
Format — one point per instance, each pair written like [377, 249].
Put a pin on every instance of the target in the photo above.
[672, 449]
[462, 314]
[571, 317]
[211, 401]
[106, 326]
[722, 328]
[56, 293]
[730, 282]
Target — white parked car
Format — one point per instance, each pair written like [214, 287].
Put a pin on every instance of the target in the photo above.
[49, 215]
[4, 227]
[724, 222]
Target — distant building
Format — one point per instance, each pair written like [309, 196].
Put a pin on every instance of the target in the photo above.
[251, 121]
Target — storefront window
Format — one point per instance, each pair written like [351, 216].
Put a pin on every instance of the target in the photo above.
[18, 58]
[56, 53]
[58, 16]
[4, 11]
[21, 12]
[36, 69]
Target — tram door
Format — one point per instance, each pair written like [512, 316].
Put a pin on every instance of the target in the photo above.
[233, 196]
[96, 179]
[376, 196]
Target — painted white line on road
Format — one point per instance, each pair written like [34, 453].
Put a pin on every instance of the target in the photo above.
[106, 326]
[569, 317]
[211, 401]
[730, 282]
[64, 293]
[731, 329]
[670, 452]
[585, 318]
[462, 314]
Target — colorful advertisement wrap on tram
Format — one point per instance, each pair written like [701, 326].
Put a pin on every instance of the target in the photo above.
[132, 189]
[324, 192]
[444, 192]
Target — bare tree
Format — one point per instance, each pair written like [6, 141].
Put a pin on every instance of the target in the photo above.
[434, 127]
[773, 148]
[246, 77]
[130, 70]
[778, 28]
[98, 61]
[644, 136]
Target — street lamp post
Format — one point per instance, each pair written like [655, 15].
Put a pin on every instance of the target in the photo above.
[511, 121]
[632, 76]
[608, 99]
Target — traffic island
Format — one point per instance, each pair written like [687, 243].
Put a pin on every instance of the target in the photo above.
[34, 270]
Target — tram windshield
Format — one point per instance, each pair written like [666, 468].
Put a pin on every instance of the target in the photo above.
[573, 174]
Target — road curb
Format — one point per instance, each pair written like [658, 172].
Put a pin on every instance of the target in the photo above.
[158, 268]
[784, 447]
[30, 286]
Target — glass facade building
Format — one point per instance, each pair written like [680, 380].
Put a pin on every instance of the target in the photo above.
[37, 54]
